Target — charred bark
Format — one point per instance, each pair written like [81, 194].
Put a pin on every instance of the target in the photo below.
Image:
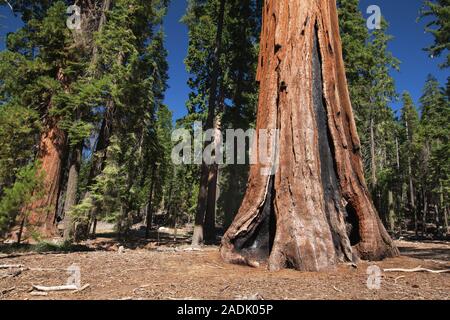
[316, 210]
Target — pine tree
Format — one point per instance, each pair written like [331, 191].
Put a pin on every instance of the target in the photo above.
[132, 66]
[368, 65]
[435, 150]
[235, 94]
[439, 27]
[357, 58]
[45, 56]
[410, 124]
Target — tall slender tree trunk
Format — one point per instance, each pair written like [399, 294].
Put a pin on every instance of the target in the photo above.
[316, 210]
[443, 206]
[424, 214]
[149, 217]
[373, 160]
[213, 179]
[391, 214]
[411, 183]
[397, 153]
[445, 211]
[72, 187]
[198, 236]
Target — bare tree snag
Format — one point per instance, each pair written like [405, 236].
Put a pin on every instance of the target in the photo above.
[316, 210]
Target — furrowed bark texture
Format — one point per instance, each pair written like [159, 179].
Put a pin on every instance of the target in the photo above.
[51, 153]
[316, 210]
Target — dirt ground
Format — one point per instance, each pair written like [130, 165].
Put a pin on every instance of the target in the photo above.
[164, 272]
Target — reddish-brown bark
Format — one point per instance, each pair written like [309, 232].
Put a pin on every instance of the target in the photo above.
[51, 152]
[52, 147]
[316, 210]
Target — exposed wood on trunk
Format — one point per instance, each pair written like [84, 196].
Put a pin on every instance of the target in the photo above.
[72, 188]
[320, 205]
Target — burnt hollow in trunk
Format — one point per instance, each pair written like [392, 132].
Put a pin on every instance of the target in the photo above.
[352, 223]
[328, 172]
[258, 242]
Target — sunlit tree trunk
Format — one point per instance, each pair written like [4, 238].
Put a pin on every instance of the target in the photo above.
[72, 188]
[316, 210]
[52, 148]
[205, 176]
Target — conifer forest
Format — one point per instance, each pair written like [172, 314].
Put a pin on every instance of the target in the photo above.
[271, 149]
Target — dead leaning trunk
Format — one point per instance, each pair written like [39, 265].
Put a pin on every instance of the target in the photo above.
[316, 210]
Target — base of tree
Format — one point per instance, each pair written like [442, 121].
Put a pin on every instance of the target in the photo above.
[316, 210]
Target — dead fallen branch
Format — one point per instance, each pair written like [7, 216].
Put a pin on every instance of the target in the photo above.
[338, 290]
[38, 293]
[418, 269]
[82, 288]
[398, 278]
[7, 290]
[11, 266]
[56, 288]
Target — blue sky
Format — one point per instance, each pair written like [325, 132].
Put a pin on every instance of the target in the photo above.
[407, 46]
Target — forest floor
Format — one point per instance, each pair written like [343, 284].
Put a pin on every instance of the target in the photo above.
[124, 271]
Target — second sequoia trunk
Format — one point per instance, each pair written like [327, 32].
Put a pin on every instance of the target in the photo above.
[315, 211]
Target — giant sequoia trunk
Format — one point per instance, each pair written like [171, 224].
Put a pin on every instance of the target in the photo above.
[51, 153]
[52, 149]
[316, 210]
